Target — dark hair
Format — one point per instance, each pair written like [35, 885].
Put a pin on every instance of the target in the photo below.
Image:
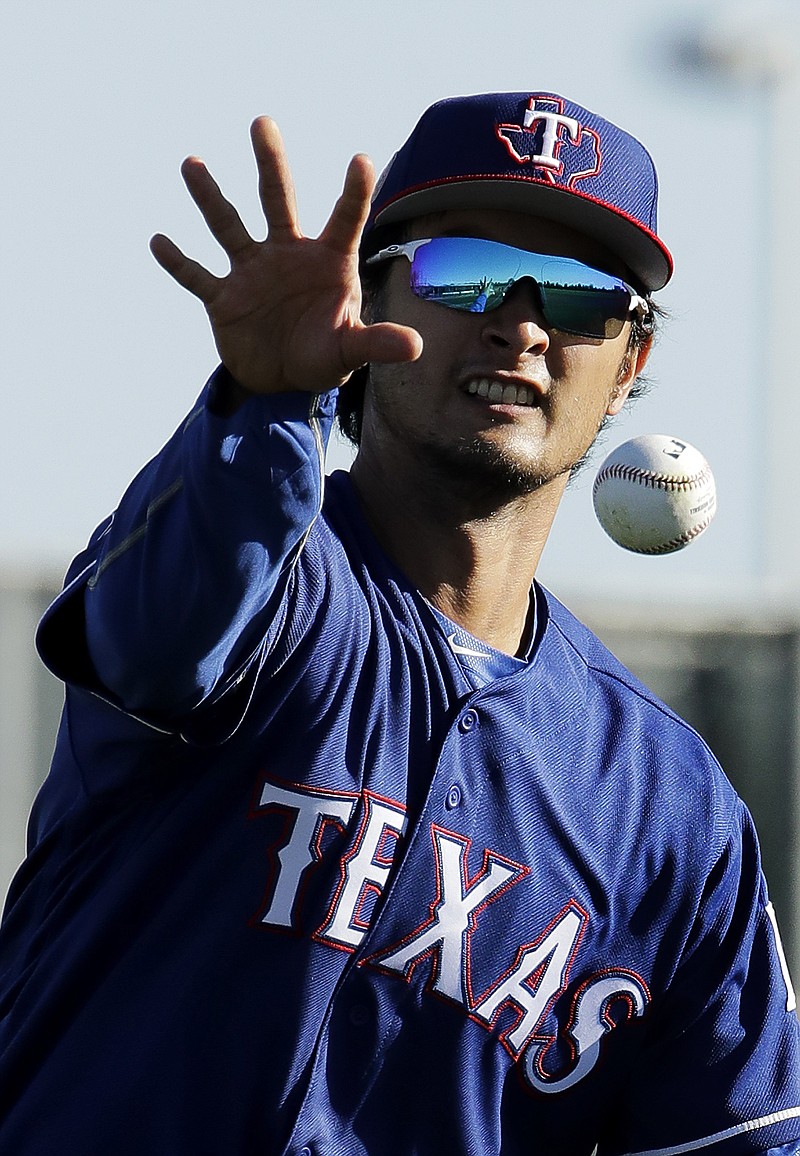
[350, 402]
[644, 329]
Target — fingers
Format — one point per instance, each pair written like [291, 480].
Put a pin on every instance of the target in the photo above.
[276, 190]
[223, 221]
[189, 274]
[346, 222]
[275, 185]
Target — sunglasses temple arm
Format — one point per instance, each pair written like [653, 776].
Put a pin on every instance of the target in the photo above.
[406, 250]
[640, 305]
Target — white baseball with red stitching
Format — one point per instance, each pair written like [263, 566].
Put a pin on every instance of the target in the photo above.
[654, 494]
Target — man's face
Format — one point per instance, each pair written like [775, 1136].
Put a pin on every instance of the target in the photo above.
[548, 392]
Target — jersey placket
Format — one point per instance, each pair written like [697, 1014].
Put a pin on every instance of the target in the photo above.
[363, 1011]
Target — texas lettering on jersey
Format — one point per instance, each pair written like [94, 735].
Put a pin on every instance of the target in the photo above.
[442, 941]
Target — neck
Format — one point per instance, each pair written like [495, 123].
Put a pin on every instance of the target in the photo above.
[471, 554]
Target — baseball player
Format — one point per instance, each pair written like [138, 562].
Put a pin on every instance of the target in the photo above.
[355, 841]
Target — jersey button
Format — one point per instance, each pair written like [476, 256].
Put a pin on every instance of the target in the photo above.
[468, 720]
[453, 797]
[359, 1015]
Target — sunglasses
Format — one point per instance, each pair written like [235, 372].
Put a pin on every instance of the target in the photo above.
[474, 275]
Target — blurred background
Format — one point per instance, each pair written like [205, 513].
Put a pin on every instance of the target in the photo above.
[103, 354]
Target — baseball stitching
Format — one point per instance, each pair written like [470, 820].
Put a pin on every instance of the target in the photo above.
[653, 480]
[674, 543]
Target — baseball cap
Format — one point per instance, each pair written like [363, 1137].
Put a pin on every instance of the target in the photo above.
[533, 153]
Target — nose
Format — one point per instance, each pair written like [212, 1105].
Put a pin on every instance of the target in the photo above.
[517, 324]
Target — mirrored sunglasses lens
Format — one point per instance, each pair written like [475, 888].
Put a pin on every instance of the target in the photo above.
[586, 312]
[463, 272]
[578, 299]
[474, 275]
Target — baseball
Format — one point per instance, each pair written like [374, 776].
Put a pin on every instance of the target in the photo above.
[654, 494]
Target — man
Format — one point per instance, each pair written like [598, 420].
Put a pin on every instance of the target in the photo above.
[355, 841]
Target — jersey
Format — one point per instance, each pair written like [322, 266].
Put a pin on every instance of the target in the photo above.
[303, 879]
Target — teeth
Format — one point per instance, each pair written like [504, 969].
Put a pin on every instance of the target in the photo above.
[494, 392]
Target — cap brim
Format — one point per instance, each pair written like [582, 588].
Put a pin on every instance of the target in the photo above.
[644, 254]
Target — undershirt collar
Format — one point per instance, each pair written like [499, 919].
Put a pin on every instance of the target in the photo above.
[480, 662]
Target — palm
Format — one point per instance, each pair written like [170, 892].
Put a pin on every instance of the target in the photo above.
[280, 318]
[287, 315]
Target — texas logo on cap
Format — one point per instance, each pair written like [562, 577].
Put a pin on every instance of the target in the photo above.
[565, 149]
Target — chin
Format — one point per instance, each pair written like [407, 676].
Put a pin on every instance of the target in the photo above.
[486, 470]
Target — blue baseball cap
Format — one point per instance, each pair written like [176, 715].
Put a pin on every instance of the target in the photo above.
[532, 153]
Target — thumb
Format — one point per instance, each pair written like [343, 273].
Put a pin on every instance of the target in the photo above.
[384, 343]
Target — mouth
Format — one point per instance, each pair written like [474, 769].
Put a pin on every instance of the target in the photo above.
[502, 393]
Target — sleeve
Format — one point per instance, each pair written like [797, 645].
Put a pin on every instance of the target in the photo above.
[720, 1067]
[179, 589]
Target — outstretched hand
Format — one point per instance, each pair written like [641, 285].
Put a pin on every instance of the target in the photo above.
[288, 314]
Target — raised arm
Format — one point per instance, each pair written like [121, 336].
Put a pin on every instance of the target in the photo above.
[178, 589]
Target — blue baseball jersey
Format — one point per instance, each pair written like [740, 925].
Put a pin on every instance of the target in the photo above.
[314, 872]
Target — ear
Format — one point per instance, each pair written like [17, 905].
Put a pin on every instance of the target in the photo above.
[633, 364]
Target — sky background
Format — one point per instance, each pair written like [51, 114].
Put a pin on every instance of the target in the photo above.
[102, 354]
